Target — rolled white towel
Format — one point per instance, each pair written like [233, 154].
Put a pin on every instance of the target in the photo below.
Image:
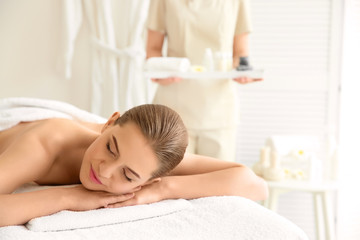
[167, 64]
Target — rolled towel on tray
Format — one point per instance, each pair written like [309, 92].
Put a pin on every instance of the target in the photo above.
[167, 64]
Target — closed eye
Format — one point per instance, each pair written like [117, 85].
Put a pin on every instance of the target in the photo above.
[109, 148]
[126, 177]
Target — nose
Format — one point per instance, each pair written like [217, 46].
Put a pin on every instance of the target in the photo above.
[107, 168]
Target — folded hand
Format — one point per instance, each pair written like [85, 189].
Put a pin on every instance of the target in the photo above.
[166, 81]
[244, 80]
[147, 194]
[82, 199]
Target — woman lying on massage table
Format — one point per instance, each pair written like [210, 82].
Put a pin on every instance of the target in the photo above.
[135, 158]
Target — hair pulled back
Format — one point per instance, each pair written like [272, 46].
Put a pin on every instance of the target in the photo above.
[164, 130]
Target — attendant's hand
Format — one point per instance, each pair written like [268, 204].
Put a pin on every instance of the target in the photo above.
[82, 199]
[150, 193]
[166, 81]
[245, 80]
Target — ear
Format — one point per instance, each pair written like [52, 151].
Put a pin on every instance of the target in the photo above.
[111, 120]
[152, 181]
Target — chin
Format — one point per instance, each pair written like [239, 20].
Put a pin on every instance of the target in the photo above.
[87, 184]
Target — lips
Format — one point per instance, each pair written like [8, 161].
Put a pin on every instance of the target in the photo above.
[93, 176]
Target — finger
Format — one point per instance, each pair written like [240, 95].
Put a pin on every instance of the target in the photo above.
[130, 202]
[137, 189]
[176, 79]
[240, 80]
[172, 79]
[117, 198]
[126, 196]
[246, 79]
[161, 81]
[166, 82]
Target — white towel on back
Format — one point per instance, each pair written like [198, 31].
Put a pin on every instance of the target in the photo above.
[16, 110]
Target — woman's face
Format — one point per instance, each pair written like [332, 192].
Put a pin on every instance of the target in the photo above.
[118, 161]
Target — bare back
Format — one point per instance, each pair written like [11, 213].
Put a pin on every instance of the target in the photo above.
[47, 152]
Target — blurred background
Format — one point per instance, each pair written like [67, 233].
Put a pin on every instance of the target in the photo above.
[91, 54]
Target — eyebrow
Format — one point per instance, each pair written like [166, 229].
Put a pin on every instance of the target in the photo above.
[116, 145]
[133, 172]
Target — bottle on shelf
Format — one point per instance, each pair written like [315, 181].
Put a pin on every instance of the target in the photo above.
[223, 61]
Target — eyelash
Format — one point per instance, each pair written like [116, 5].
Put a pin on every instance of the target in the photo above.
[109, 149]
[127, 178]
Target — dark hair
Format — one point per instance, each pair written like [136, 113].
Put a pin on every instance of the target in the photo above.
[164, 130]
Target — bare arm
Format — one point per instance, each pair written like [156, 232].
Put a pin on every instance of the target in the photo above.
[155, 41]
[241, 49]
[200, 176]
[19, 208]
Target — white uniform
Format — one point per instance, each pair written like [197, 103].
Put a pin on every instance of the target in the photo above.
[208, 107]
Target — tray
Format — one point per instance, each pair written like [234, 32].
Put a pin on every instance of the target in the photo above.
[257, 73]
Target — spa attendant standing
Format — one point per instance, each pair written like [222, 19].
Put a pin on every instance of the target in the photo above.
[208, 107]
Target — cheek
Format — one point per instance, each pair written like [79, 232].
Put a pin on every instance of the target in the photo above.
[91, 153]
[92, 149]
[88, 155]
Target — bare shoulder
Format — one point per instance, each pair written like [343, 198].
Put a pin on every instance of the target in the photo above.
[53, 132]
[31, 150]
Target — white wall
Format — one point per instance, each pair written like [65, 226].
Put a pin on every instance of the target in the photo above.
[349, 158]
[29, 47]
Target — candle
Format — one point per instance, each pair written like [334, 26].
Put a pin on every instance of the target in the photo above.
[264, 155]
[274, 161]
[274, 172]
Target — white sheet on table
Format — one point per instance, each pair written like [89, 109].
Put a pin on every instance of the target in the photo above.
[207, 218]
